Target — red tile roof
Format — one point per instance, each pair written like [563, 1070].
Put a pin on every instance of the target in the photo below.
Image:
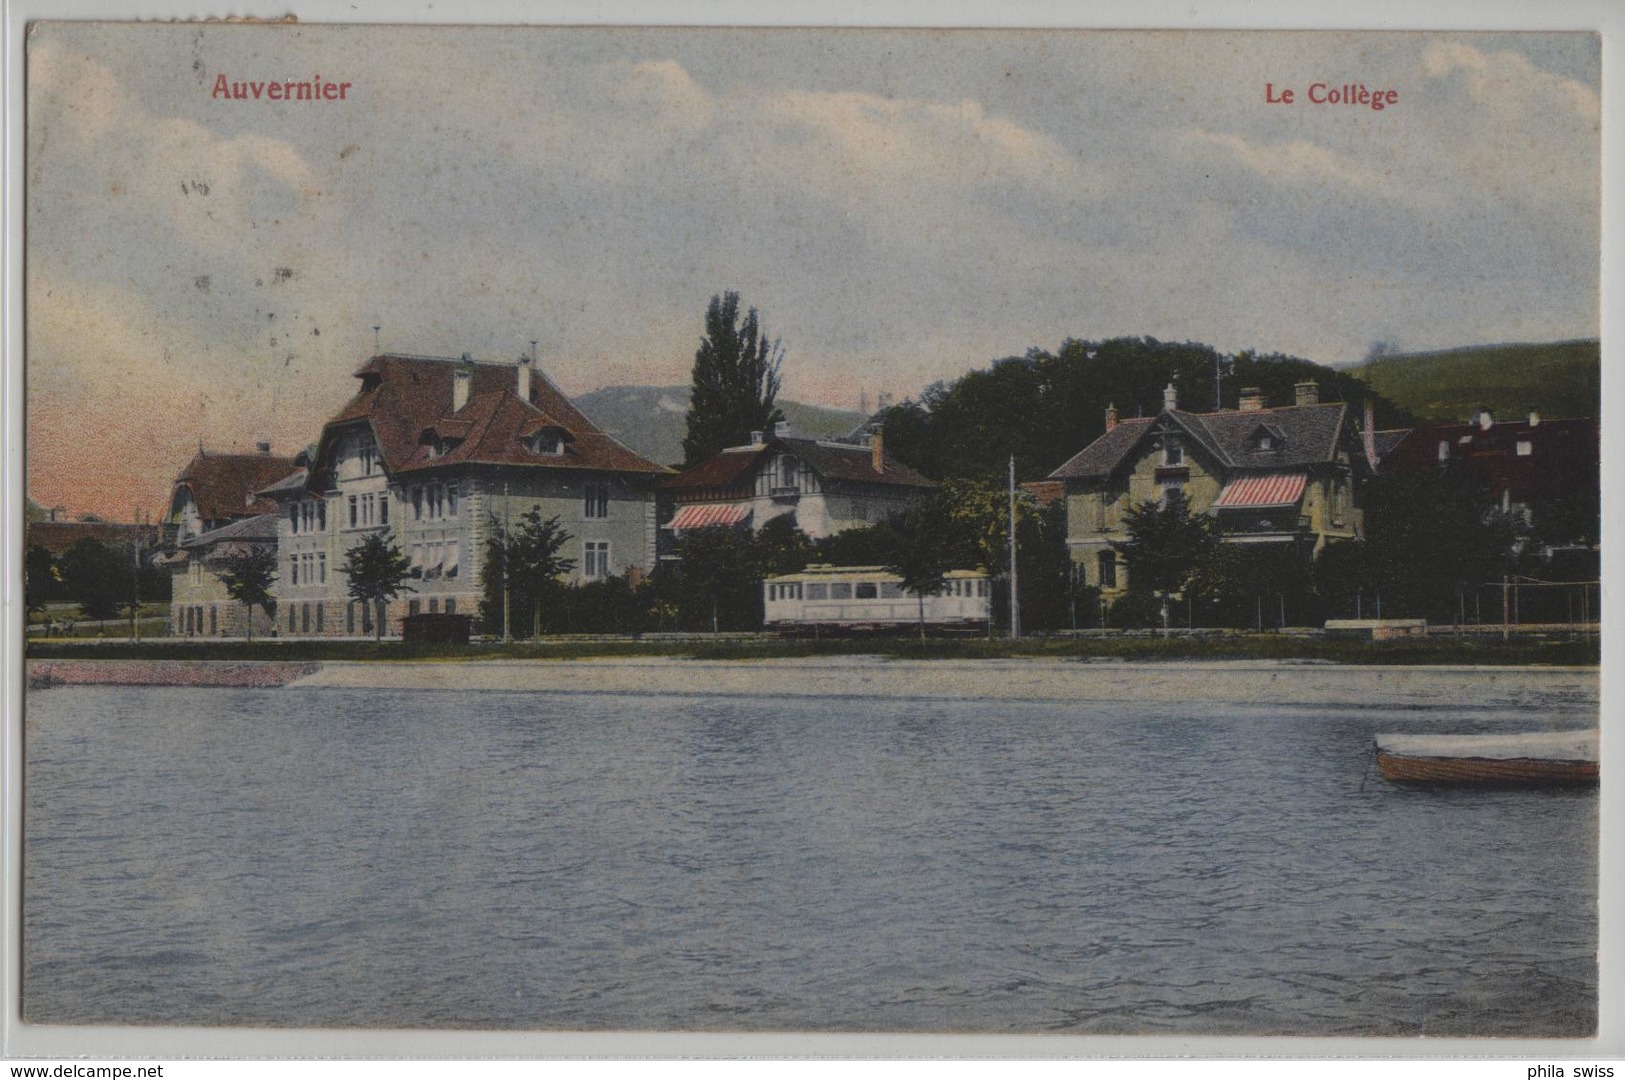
[829, 459]
[402, 397]
[223, 485]
[58, 536]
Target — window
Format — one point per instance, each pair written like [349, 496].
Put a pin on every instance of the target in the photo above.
[840, 590]
[413, 606]
[1173, 452]
[293, 570]
[318, 616]
[596, 561]
[434, 605]
[293, 517]
[867, 590]
[368, 459]
[818, 592]
[451, 605]
[1107, 561]
[1444, 449]
[321, 515]
[451, 500]
[451, 558]
[354, 521]
[1266, 442]
[1525, 448]
[304, 618]
[787, 472]
[383, 509]
[596, 501]
[321, 574]
[1171, 491]
[891, 590]
[417, 504]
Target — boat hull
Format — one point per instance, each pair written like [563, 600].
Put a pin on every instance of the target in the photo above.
[1407, 769]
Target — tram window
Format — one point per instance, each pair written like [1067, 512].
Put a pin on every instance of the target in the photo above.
[868, 590]
[840, 590]
[818, 592]
[891, 590]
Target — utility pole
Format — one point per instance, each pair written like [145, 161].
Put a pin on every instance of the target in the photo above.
[506, 547]
[1015, 600]
[135, 579]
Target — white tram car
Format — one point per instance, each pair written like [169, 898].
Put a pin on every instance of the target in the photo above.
[869, 598]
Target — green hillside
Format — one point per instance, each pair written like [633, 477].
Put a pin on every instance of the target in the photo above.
[1561, 378]
[652, 419]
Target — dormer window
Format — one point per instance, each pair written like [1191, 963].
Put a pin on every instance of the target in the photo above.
[1267, 437]
[1173, 452]
[548, 442]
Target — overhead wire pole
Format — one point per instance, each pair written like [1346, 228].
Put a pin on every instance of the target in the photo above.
[505, 551]
[1015, 600]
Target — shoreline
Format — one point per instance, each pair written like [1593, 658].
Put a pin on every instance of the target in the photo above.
[1260, 682]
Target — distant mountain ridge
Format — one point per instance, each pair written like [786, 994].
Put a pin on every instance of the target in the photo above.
[653, 419]
[1560, 378]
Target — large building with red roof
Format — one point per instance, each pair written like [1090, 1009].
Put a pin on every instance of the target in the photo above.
[1287, 475]
[435, 450]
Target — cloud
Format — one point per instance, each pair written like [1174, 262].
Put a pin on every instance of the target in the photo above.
[840, 140]
[1297, 163]
[1507, 80]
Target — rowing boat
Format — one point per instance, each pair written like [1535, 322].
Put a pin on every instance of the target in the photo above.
[1541, 757]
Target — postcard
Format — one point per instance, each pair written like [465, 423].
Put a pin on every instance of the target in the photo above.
[803, 530]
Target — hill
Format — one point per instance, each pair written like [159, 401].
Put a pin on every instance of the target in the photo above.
[651, 419]
[1561, 378]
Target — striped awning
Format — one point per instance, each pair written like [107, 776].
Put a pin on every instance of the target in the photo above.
[1257, 492]
[708, 515]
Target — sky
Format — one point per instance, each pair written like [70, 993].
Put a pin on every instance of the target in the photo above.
[902, 206]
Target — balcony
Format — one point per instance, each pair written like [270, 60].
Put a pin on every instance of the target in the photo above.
[787, 493]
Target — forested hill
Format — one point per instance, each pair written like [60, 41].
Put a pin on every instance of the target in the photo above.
[1561, 378]
[652, 419]
[1046, 406]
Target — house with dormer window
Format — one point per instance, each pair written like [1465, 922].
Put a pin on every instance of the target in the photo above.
[824, 485]
[436, 451]
[1285, 475]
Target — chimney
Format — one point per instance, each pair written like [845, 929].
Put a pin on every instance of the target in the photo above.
[1308, 393]
[782, 428]
[1111, 417]
[263, 447]
[1534, 418]
[1252, 399]
[1170, 398]
[756, 438]
[461, 383]
[526, 366]
[883, 402]
[877, 450]
[1483, 418]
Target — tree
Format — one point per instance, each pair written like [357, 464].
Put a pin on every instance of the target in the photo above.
[922, 550]
[1167, 548]
[248, 575]
[42, 581]
[721, 577]
[377, 572]
[735, 380]
[97, 577]
[524, 560]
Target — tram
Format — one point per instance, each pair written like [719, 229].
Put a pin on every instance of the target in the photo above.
[868, 598]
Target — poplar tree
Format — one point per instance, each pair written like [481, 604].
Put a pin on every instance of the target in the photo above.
[735, 381]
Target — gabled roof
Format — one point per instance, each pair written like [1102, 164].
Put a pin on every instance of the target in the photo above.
[1309, 435]
[225, 485]
[59, 536]
[292, 484]
[403, 396]
[844, 461]
[724, 470]
[831, 460]
[259, 527]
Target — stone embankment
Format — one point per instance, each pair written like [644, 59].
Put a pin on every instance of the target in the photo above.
[46, 673]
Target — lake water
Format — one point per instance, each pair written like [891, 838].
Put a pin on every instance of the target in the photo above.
[321, 857]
